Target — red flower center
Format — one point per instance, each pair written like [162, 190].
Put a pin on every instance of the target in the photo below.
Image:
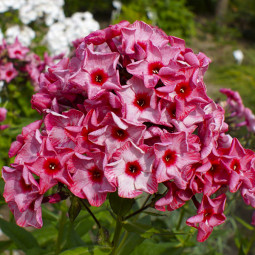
[183, 90]
[133, 168]
[171, 109]
[235, 165]
[142, 101]
[25, 187]
[84, 133]
[142, 45]
[119, 134]
[96, 175]
[17, 52]
[154, 68]
[98, 77]
[51, 165]
[9, 73]
[169, 157]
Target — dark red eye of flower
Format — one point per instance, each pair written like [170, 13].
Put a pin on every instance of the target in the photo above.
[98, 77]
[133, 168]
[119, 134]
[51, 165]
[169, 157]
[84, 133]
[183, 89]
[25, 187]
[17, 52]
[142, 101]
[9, 73]
[96, 175]
[143, 45]
[171, 109]
[154, 67]
[235, 165]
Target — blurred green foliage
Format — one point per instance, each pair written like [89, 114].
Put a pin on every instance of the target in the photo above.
[172, 16]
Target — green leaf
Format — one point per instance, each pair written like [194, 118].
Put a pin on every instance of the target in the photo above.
[120, 206]
[47, 214]
[136, 227]
[74, 209]
[245, 224]
[23, 239]
[72, 238]
[149, 247]
[47, 234]
[132, 241]
[93, 250]
[241, 251]
[4, 245]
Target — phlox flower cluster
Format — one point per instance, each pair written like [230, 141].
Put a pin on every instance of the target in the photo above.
[129, 113]
[239, 114]
[17, 59]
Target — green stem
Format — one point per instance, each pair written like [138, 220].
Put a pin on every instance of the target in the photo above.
[117, 233]
[91, 213]
[62, 222]
[180, 219]
[251, 242]
[138, 211]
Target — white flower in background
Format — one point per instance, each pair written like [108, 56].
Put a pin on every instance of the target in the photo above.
[25, 34]
[238, 56]
[48, 10]
[5, 5]
[115, 13]
[61, 34]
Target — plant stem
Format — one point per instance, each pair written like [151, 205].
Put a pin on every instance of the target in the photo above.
[62, 221]
[117, 235]
[91, 213]
[138, 211]
[180, 219]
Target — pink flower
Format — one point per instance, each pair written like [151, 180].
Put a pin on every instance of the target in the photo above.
[132, 171]
[209, 215]
[3, 113]
[98, 72]
[22, 193]
[116, 132]
[50, 167]
[89, 180]
[139, 102]
[172, 156]
[17, 51]
[8, 72]
[174, 198]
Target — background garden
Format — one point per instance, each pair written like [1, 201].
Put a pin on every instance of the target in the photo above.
[218, 28]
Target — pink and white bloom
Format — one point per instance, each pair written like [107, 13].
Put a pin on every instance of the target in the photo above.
[132, 170]
[89, 181]
[172, 156]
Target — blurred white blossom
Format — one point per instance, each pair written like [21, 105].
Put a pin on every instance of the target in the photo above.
[5, 5]
[62, 31]
[238, 56]
[25, 34]
[61, 34]
[48, 10]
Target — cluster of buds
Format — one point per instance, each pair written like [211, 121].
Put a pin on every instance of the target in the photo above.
[129, 113]
[17, 60]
